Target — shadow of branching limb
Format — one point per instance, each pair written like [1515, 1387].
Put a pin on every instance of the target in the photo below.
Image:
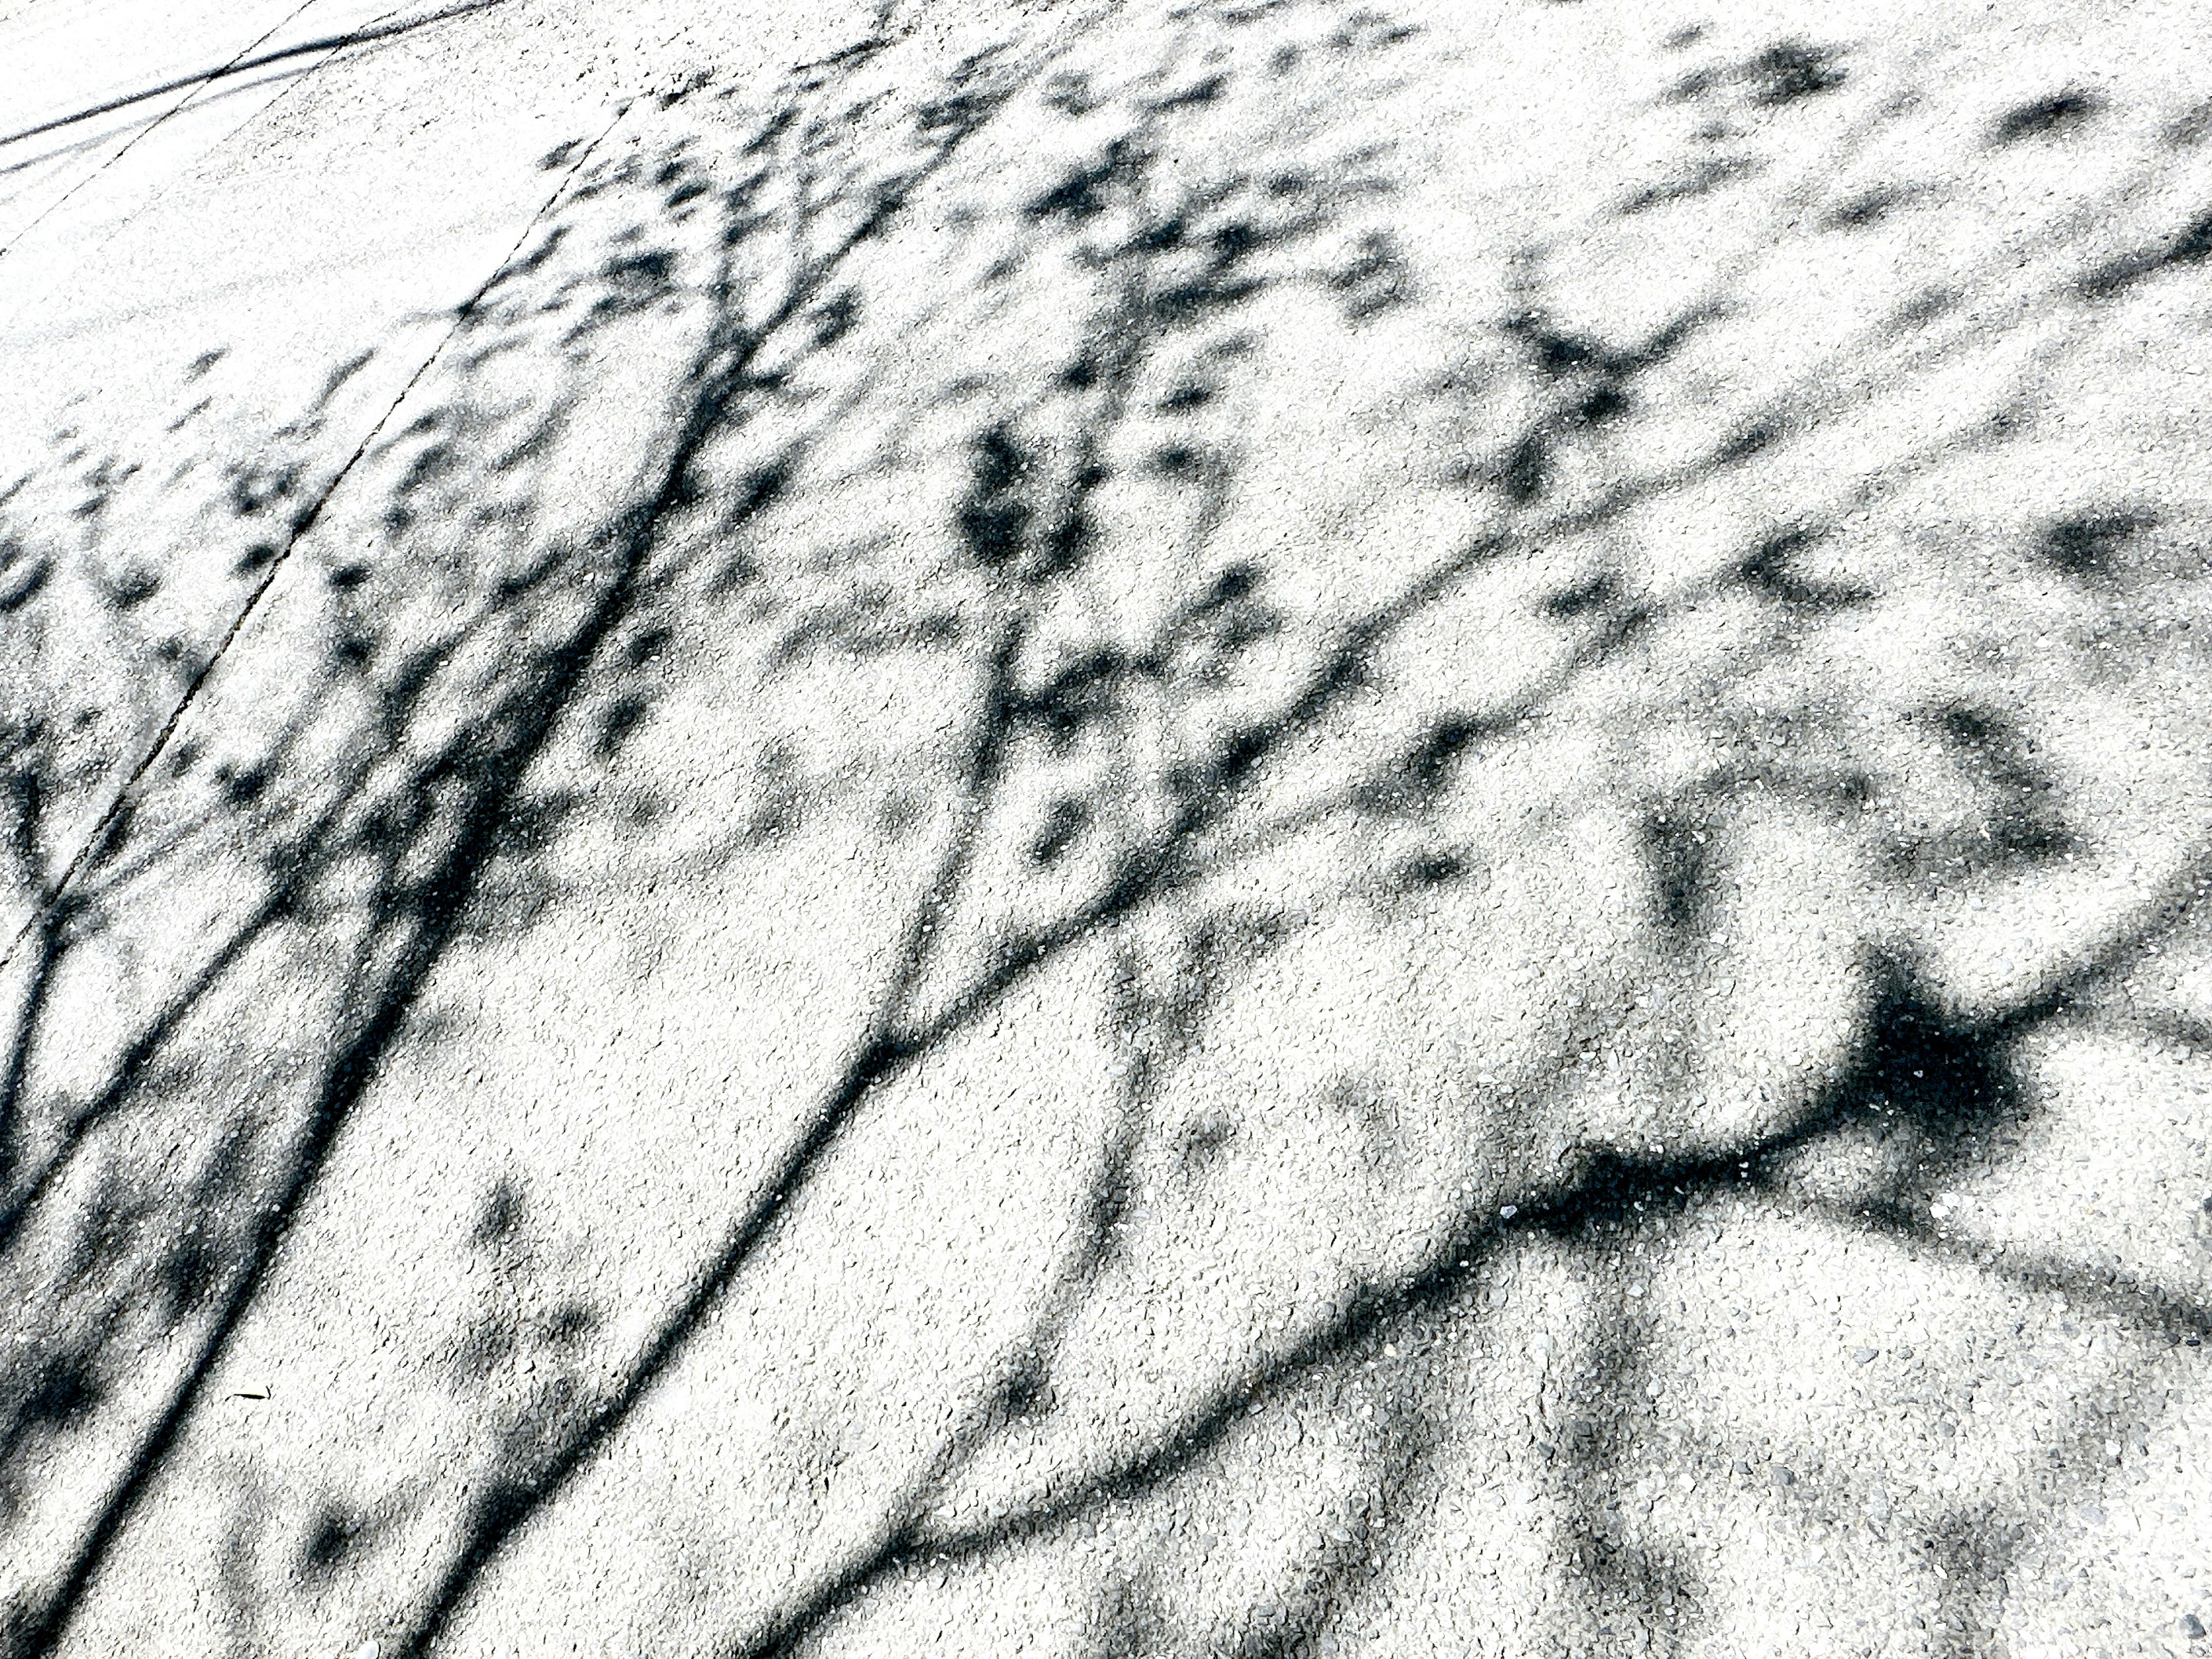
[1037, 575]
[322, 820]
[1631, 1065]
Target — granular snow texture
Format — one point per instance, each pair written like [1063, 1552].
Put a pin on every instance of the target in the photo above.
[1246, 827]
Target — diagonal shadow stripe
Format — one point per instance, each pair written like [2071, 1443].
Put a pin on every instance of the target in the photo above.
[240, 65]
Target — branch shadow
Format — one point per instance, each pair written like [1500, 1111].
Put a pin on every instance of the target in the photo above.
[383, 761]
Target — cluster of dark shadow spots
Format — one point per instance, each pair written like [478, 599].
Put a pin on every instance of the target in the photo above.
[1753, 439]
[2192, 245]
[436, 458]
[22, 574]
[778, 808]
[1069, 91]
[515, 270]
[1925, 306]
[1026, 1394]
[948, 118]
[1787, 72]
[1376, 279]
[133, 588]
[685, 191]
[1063, 826]
[759, 490]
[1221, 280]
[994, 517]
[1082, 695]
[2085, 547]
[169, 1272]
[1416, 779]
[617, 723]
[339, 1531]
[1210, 632]
[1701, 179]
[1680, 860]
[63, 1390]
[834, 319]
[1791, 70]
[1580, 598]
[632, 282]
[863, 626]
[2022, 822]
[1947, 1083]
[1641, 1591]
[1590, 386]
[140, 1262]
[1197, 95]
[2190, 128]
[101, 483]
[1369, 30]
[1083, 194]
[2044, 117]
[1773, 571]
[502, 1340]
[254, 488]
[242, 786]
[1433, 869]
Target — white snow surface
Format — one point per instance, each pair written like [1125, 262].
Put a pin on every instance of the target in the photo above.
[1191, 827]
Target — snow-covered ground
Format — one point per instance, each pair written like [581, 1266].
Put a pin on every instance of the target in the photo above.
[1223, 827]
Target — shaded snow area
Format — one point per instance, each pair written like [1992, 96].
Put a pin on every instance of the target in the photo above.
[1240, 827]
